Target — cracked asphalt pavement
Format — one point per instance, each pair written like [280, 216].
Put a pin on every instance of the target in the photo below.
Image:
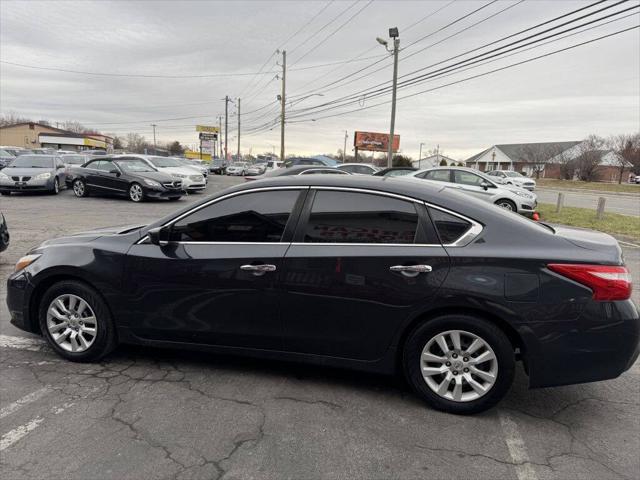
[156, 414]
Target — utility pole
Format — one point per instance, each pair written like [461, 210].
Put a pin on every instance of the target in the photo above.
[420, 156]
[239, 158]
[154, 138]
[282, 103]
[344, 150]
[219, 136]
[396, 49]
[226, 124]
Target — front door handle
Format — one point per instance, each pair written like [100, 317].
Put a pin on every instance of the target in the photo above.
[411, 270]
[258, 270]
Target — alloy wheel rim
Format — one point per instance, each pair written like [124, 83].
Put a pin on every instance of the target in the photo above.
[459, 366]
[135, 192]
[506, 206]
[78, 188]
[56, 186]
[72, 323]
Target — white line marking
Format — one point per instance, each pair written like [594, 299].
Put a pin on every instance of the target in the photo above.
[17, 433]
[21, 402]
[517, 448]
[628, 244]
[22, 431]
[22, 343]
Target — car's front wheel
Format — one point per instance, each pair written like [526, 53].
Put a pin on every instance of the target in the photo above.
[459, 364]
[56, 187]
[76, 322]
[80, 188]
[136, 194]
[506, 204]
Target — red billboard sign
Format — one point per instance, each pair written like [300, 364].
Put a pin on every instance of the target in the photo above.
[376, 142]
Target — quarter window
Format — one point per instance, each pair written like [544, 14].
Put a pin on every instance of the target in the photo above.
[347, 217]
[449, 227]
[252, 217]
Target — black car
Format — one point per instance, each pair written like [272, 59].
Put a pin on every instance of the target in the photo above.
[377, 274]
[394, 171]
[4, 233]
[129, 177]
[218, 166]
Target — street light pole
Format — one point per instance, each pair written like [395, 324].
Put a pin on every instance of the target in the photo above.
[226, 125]
[154, 138]
[420, 156]
[239, 129]
[393, 34]
[344, 150]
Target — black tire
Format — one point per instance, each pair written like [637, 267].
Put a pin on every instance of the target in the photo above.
[105, 339]
[80, 188]
[56, 187]
[6, 193]
[173, 199]
[507, 204]
[134, 197]
[488, 332]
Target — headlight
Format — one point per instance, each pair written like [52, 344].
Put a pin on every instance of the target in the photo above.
[25, 261]
[152, 183]
[42, 176]
[524, 194]
[178, 175]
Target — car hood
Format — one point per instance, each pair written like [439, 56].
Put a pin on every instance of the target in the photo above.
[178, 170]
[90, 235]
[514, 189]
[24, 171]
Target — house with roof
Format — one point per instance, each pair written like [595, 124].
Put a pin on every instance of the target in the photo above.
[433, 161]
[546, 160]
[40, 135]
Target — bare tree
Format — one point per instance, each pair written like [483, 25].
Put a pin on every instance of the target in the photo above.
[627, 148]
[537, 155]
[136, 143]
[589, 157]
[12, 118]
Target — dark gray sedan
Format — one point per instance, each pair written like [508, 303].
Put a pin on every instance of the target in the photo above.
[31, 173]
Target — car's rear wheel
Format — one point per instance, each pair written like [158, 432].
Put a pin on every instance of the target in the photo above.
[76, 322]
[80, 188]
[459, 364]
[136, 194]
[506, 204]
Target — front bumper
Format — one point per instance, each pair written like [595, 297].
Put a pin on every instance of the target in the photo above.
[31, 185]
[165, 193]
[601, 344]
[18, 294]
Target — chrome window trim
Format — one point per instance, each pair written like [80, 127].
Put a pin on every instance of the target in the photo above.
[468, 237]
[219, 199]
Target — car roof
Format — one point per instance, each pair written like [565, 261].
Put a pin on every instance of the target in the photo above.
[356, 163]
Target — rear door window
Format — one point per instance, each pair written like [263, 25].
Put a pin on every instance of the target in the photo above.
[350, 217]
[450, 228]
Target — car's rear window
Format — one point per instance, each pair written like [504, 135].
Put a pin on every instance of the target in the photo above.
[449, 227]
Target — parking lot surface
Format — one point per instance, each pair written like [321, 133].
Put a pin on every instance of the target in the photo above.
[157, 414]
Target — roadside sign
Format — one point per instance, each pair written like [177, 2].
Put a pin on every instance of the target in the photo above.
[208, 136]
[376, 142]
[206, 128]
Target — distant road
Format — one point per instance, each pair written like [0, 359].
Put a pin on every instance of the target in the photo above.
[624, 204]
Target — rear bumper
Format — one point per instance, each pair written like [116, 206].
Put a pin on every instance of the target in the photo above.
[602, 344]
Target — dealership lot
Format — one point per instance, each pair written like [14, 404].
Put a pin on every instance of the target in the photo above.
[147, 413]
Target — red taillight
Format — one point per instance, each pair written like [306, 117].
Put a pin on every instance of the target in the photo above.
[606, 281]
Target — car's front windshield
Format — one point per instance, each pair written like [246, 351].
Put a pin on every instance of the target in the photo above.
[512, 174]
[134, 166]
[163, 162]
[32, 161]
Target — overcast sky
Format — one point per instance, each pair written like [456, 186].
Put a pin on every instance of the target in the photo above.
[591, 89]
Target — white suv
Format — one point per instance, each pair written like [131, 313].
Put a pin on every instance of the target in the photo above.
[481, 186]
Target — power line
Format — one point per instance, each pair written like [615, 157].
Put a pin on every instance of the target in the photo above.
[292, 36]
[334, 32]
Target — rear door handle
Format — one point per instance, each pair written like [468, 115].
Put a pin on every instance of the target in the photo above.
[258, 270]
[411, 270]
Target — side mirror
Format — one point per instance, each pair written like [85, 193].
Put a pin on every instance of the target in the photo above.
[159, 235]
[485, 185]
[58, 167]
[115, 172]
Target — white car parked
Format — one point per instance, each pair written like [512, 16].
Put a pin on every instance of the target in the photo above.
[192, 181]
[238, 168]
[481, 186]
[509, 177]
